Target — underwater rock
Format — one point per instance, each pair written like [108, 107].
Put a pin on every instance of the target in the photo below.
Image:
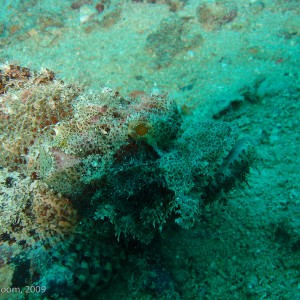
[214, 15]
[86, 13]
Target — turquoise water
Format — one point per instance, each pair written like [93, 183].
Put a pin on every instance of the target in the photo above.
[149, 149]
